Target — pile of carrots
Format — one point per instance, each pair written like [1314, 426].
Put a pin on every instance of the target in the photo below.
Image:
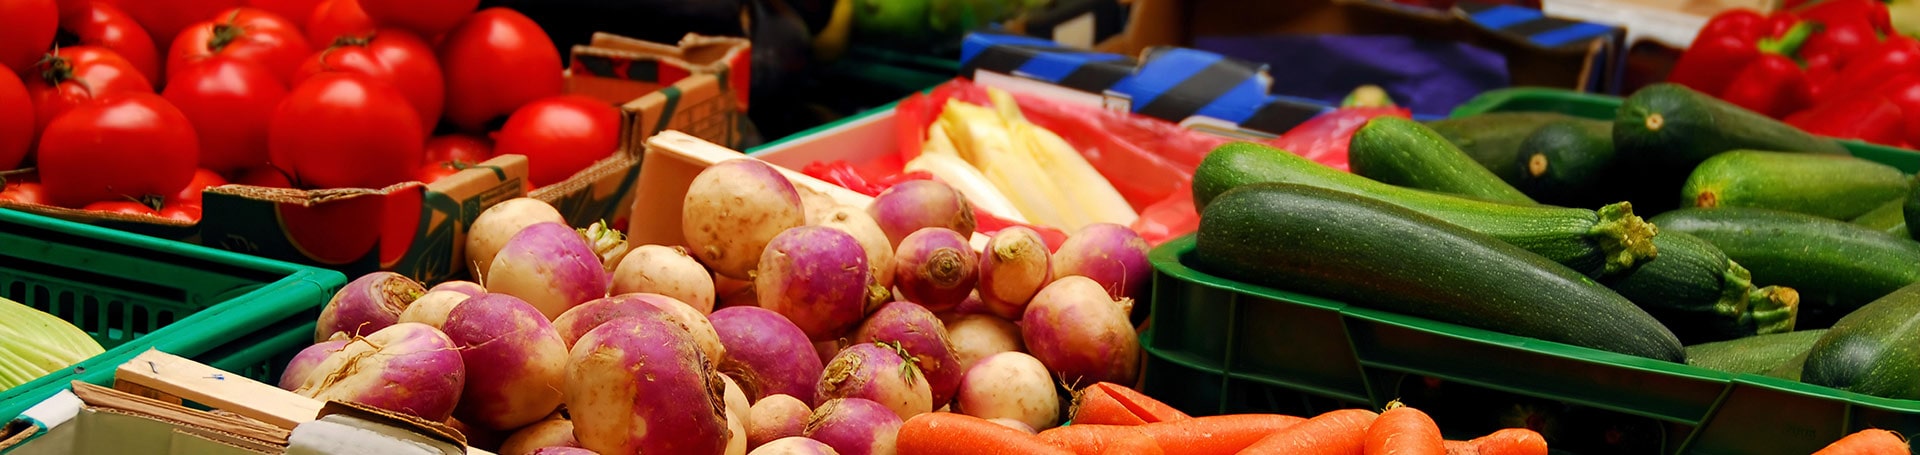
[1113, 419]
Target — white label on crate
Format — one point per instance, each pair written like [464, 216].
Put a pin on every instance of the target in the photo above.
[1076, 33]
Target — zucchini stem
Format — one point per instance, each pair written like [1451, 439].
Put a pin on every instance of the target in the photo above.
[1773, 309]
[1625, 238]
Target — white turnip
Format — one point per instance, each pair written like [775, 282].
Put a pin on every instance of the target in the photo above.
[1010, 385]
[1015, 424]
[873, 241]
[777, 416]
[922, 335]
[432, 308]
[736, 400]
[550, 266]
[794, 445]
[367, 304]
[552, 432]
[1110, 254]
[1015, 265]
[306, 360]
[640, 385]
[1081, 334]
[563, 451]
[766, 353]
[495, 225]
[733, 209]
[469, 288]
[667, 271]
[882, 373]
[976, 336]
[408, 368]
[736, 434]
[909, 206]
[515, 362]
[817, 277]
[936, 268]
[855, 426]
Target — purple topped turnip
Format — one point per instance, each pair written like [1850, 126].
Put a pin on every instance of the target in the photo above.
[471, 289]
[306, 360]
[495, 225]
[562, 451]
[817, 277]
[640, 385]
[1081, 334]
[879, 372]
[408, 368]
[922, 335]
[1015, 266]
[579, 320]
[1110, 254]
[667, 271]
[550, 266]
[367, 304]
[916, 204]
[516, 362]
[855, 426]
[794, 445]
[936, 268]
[552, 432]
[432, 308]
[766, 353]
[775, 417]
[733, 209]
[873, 241]
[610, 245]
[976, 336]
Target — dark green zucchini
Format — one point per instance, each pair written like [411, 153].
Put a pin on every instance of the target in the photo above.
[1872, 350]
[1400, 151]
[1597, 243]
[1755, 354]
[1663, 130]
[1889, 217]
[1563, 162]
[1910, 211]
[1493, 138]
[1830, 186]
[1374, 254]
[1702, 296]
[1836, 266]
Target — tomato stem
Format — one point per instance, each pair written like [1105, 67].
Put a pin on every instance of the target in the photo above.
[224, 33]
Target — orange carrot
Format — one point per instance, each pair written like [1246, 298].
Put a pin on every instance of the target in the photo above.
[1085, 439]
[1097, 407]
[1140, 405]
[1222, 434]
[1403, 430]
[1460, 447]
[1336, 432]
[944, 433]
[1871, 441]
[1511, 441]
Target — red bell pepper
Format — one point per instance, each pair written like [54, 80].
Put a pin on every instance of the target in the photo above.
[1867, 70]
[1839, 40]
[1873, 12]
[1904, 90]
[1724, 46]
[1773, 83]
[1869, 117]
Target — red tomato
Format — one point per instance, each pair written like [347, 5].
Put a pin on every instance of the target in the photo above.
[26, 30]
[345, 130]
[72, 76]
[202, 179]
[122, 207]
[126, 145]
[428, 17]
[164, 20]
[184, 212]
[560, 136]
[459, 147]
[436, 170]
[105, 25]
[337, 18]
[296, 11]
[24, 192]
[229, 101]
[246, 33]
[264, 176]
[495, 61]
[16, 121]
[75, 7]
[392, 56]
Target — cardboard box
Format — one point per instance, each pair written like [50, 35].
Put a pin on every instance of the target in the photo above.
[94, 420]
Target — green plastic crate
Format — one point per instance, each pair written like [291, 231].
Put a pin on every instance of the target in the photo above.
[239, 313]
[1220, 346]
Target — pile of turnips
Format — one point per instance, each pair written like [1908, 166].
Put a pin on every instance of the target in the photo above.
[783, 325]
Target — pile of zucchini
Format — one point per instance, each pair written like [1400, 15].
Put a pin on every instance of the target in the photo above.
[1687, 229]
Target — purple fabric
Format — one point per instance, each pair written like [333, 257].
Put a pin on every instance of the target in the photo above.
[1428, 77]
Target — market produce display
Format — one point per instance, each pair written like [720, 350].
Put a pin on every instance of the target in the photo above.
[133, 97]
